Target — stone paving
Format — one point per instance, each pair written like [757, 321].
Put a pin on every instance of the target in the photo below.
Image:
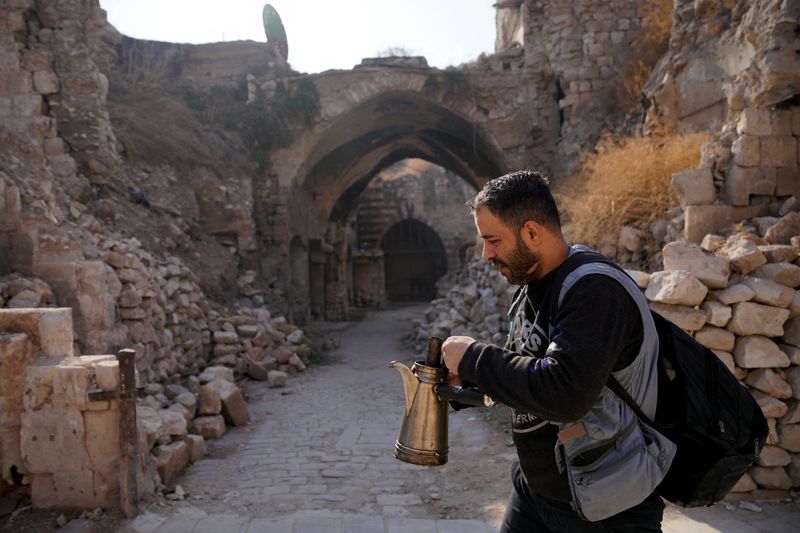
[317, 458]
[320, 458]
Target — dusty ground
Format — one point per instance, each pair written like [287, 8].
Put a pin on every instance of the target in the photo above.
[323, 445]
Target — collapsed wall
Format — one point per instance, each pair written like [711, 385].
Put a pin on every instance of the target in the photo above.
[68, 207]
[732, 70]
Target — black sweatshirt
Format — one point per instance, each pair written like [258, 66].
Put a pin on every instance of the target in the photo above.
[596, 329]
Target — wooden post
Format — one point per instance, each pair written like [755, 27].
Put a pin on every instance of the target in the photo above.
[128, 490]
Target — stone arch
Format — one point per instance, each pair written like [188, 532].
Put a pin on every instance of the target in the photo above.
[385, 129]
[353, 146]
[414, 260]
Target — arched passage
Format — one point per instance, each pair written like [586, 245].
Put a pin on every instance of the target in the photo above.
[414, 259]
[353, 149]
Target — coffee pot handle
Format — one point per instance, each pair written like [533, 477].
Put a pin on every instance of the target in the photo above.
[464, 395]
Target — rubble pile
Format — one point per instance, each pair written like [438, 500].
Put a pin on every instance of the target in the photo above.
[736, 293]
[18, 291]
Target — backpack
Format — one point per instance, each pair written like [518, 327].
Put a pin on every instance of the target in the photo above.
[713, 419]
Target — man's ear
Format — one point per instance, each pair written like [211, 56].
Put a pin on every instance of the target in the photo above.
[531, 233]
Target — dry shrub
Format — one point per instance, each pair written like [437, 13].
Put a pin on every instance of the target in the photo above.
[651, 43]
[626, 182]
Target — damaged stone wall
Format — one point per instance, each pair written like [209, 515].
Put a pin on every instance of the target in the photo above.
[732, 70]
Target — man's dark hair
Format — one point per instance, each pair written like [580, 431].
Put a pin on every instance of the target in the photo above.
[518, 197]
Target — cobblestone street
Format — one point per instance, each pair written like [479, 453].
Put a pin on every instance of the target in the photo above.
[317, 457]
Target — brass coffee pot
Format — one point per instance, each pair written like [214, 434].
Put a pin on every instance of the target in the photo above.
[423, 433]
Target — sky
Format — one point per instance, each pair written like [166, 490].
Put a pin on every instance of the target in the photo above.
[322, 34]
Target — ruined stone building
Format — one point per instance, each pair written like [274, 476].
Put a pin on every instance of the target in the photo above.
[195, 202]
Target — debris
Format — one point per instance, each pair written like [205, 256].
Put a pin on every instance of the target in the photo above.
[749, 506]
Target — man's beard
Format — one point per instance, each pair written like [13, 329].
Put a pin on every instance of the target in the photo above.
[518, 264]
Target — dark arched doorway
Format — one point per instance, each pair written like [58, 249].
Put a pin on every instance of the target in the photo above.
[414, 259]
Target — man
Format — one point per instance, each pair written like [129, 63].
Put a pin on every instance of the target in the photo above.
[553, 368]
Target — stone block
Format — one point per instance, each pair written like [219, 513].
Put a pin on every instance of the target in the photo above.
[25, 299]
[727, 359]
[746, 152]
[277, 378]
[49, 329]
[188, 401]
[768, 292]
[756, 351]
[793, 379]
[52, 440]
[755, 319]
[106, 375]
[225, 337]
[771, 407]
[781, 121]
[779, 253]
[234, 408]
[183, 411]
[71, 385]
[787, 182]
[208, 401]
[216, 372]
[745, 484]
[768, 381]
[197, 447]
[16, 353]
[686, 318]
[149, 422]
[773, 456]
[5, 106]
[737, 184]
[45, 82]
[783, 230]
[735, 294]
[789, 437]
[794, 470]
[677, 287]
[642, 279]
[209, 427]
[718, 313]
[793, 352]
[791, 334]
[29, 105]
[173, 423]
[792, 414]
[771, 477]
[102, 438]
[763, 182]
[712, 270]
[700, 220]
[779, 151]
[754, 121]
[715, 338]
[74, 490]
[170, 460]
[743, 254]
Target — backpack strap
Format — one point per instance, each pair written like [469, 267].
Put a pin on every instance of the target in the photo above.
[583, 261]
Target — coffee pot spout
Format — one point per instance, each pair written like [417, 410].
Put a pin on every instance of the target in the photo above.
[410, 383]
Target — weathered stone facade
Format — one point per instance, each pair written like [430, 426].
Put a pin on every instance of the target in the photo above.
[732, 70]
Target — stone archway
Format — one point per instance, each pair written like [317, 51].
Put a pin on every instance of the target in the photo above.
[414, 260]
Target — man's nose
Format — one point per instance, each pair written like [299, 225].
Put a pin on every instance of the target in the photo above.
[488, 253]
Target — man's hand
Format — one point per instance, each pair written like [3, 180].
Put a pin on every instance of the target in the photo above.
[453, 350]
